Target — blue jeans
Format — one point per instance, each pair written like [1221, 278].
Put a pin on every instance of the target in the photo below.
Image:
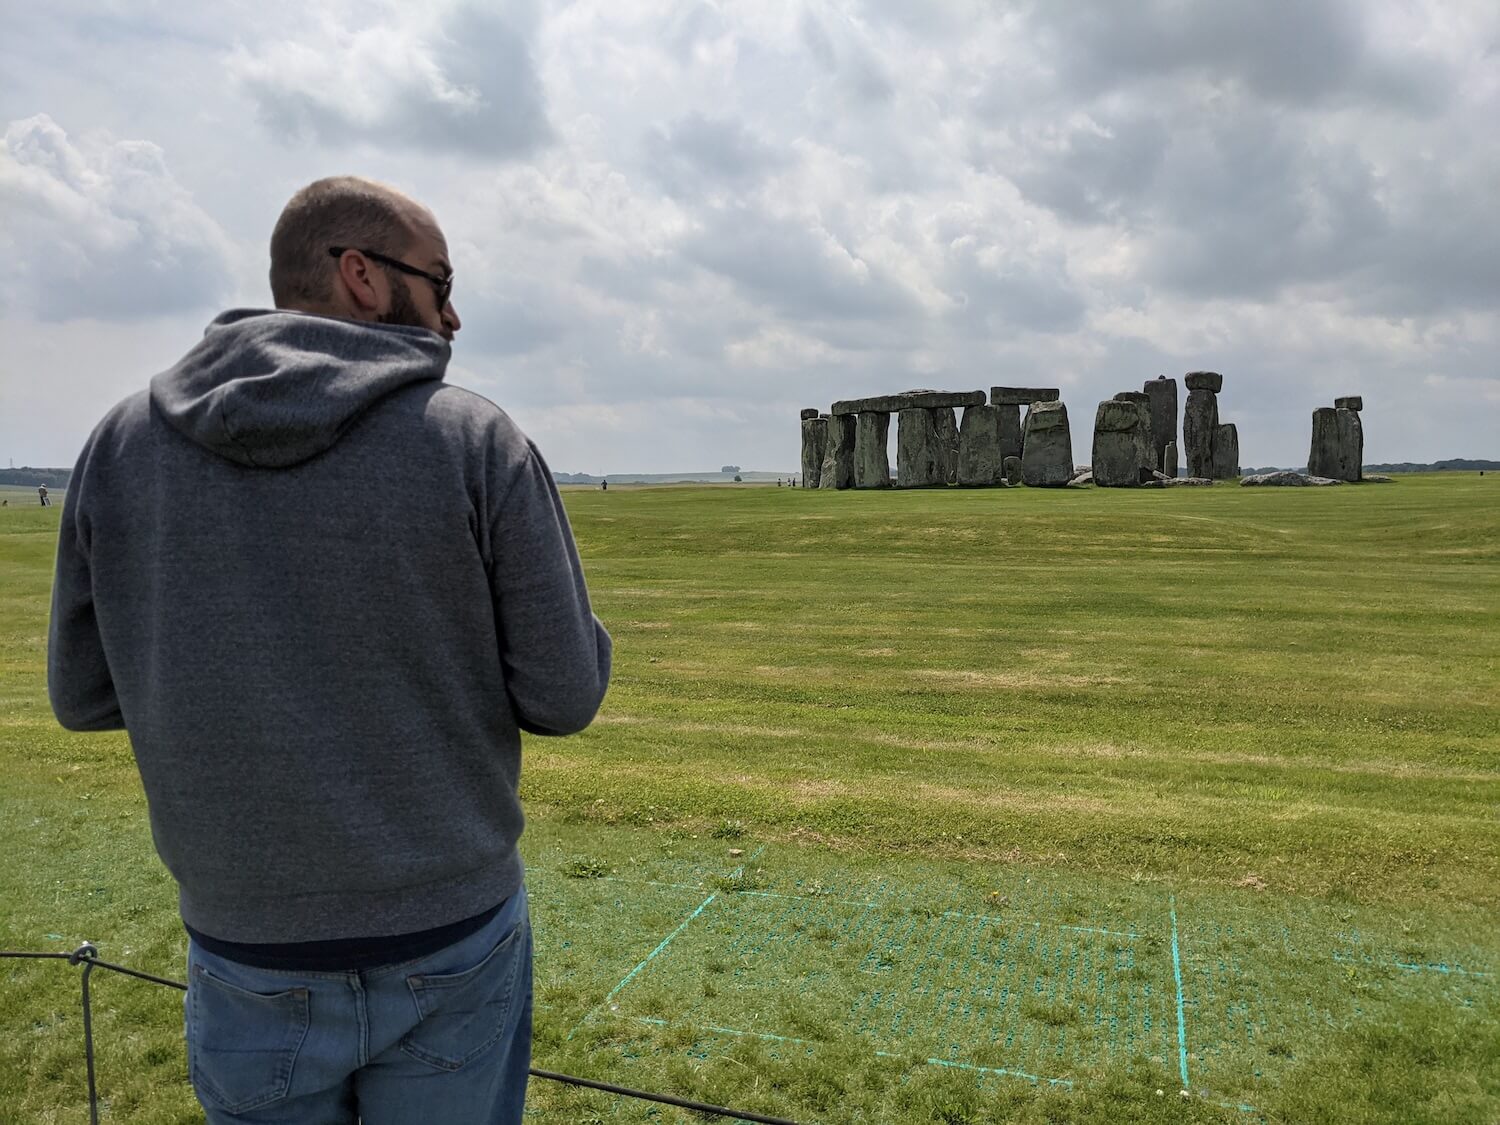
[444, 1038]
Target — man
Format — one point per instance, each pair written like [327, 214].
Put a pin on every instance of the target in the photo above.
[324, 592]
[41, 495]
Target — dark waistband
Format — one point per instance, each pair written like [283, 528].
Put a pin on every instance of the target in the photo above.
[344, 954]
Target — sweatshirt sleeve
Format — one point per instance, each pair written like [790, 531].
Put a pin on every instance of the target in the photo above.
[78, 678]
[555, 652]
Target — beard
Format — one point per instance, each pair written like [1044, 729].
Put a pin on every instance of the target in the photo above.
[403, 309]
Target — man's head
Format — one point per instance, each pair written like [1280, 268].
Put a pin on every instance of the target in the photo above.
[350, 247]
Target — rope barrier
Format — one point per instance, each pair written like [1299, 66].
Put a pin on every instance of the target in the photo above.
[88, 956]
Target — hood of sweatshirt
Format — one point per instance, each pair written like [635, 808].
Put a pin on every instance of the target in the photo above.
[270, 389]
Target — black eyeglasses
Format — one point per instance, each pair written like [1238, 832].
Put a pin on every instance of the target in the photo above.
[443, 285]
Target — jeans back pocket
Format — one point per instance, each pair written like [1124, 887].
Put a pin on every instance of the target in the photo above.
[243, 1045]
[464, 1013]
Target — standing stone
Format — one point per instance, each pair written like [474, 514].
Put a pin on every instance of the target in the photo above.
[1200, 418]
[1169, 465]
[920, 459]
[1351, 446]
[838, 461]
[1048, 458]
[1012, 470]
[1163, 395]
[872, 462]
[814, 446]
[1010, 429]
[1323, 458]
[1117, 453]
[947, 432]
[981, 457]
[1226, 452]
[1142, 402]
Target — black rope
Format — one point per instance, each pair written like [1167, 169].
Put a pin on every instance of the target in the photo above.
[87, 956]
[665, 1099]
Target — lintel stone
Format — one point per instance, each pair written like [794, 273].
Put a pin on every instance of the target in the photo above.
[809, 412]
[1349, 402]
[908, 400]
[1022, 396]
[1204, 381]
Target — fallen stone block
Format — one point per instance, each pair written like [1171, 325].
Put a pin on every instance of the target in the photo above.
[1286, 478]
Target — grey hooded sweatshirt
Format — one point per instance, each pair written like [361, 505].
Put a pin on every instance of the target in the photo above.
[324, 592]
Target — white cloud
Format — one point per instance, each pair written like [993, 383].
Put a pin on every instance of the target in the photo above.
[101, 229]
[456, 77]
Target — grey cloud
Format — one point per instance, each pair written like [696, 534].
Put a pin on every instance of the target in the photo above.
[1294, 51]
[858, 74]
[102, 231]
[692, 23]
[815, 39]
[697, 153]
[1441, 251]
[1255, 205]
[511, 326]
[1100, 173]
[1001, 292]
[473, 90]
[793, 268]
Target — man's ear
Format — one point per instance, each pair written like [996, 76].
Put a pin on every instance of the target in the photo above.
[357, 273]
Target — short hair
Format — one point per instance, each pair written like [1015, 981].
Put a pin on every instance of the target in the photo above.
[336, 211]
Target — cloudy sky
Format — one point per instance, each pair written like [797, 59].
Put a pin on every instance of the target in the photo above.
[676, 223]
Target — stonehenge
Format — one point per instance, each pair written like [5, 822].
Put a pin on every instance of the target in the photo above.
[838, 459]
[1212, 449]
[947, 431]
[928, 442]
[1047, 446]
[1200, 418]
[814, 445]
[1162, 393]
[1226, 461]
[1125, 454]
[1116, 458]
[872, 465]
[982, 448]
[1136, 439]
[1338, 440]
[1145, 456]
[920, 457]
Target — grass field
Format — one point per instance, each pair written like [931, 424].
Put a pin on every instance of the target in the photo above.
[932, 806]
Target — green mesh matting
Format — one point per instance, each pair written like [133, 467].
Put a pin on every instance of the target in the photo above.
[1010, 974]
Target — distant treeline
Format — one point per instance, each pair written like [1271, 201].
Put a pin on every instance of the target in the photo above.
[29, 477]
[1455, 464]
[1452, 465]
[668, 478]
